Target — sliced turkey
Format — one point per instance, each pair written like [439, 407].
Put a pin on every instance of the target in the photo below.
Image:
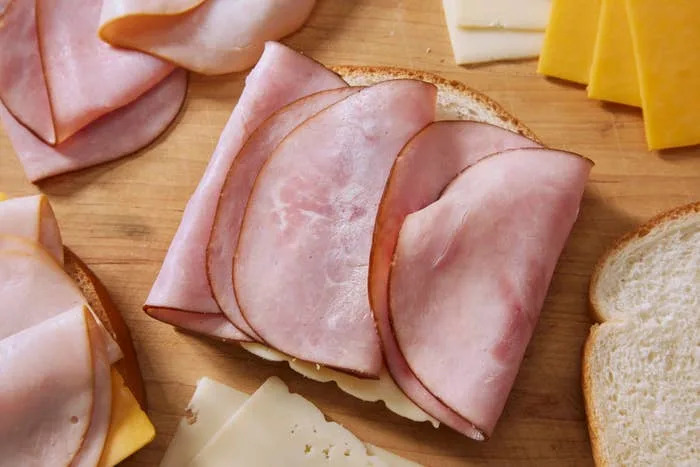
[471, 272]
[206, 36]
[32, 217]
[236, 190]
[433, 158]
[143, 120]
[300, 271]
[280, 77]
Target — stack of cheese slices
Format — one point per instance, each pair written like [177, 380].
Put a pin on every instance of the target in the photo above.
[71, 391]
[382, 228]
[642, 53]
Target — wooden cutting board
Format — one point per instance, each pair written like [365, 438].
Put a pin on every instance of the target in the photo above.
[120, 218]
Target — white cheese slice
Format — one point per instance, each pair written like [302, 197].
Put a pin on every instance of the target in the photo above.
[530, 15]
[370, 390]
[486, 45]
[264, 423]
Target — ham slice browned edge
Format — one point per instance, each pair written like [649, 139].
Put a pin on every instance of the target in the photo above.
[143, 120]
[181, 294]
[46, 391]
[465, 297]
[237, 188]
[433, 158]
[210, 36]
[300, 270]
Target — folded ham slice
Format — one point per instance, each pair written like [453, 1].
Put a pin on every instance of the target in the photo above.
[465, 297]
[32, 217]
[46, 391]
[206, 36]
[433, 158]
[181, 290]
[236, 190]
[300, 271]
[143, 120]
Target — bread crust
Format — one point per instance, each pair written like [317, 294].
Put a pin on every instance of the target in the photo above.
[99, 300]
[456, 86]
[594, 424]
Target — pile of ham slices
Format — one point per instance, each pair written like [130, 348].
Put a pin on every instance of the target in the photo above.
[70, 100]
[344, 227]
[56, 357]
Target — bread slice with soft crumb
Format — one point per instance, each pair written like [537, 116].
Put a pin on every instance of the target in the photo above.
[641, 365]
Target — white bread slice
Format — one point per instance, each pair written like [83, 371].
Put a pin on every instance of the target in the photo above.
[455, 101]
[641, 366]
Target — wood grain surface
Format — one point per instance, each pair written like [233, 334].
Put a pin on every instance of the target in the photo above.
[120, 218]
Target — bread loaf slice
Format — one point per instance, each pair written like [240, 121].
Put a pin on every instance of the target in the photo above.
[641, 365]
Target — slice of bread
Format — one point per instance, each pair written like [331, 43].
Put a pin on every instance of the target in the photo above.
[99, 300]
[641, 366]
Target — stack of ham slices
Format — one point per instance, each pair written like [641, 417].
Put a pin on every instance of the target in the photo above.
[345, 227]
[68, 388]
[69, 100]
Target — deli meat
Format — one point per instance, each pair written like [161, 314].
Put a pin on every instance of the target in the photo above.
[433, 158]
[206, 36]
[280, 77]
[300, 271]
[239, 183]
[32, 217]
[465, 297]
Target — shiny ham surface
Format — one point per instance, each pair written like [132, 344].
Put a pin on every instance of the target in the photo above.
[465, 297]
[46, 396]
[280, 77]
[236, 190]
[206, 36]
[32, 217]
[300, 270]
[143, 120]
[433, 158]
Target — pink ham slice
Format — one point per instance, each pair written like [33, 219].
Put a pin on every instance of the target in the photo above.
[86, 77]
[300, 271]
[210, 36]
[46, 392]
[433, 158]
[465, 297]
[22, 83]
[143, 120]
[181, 292]
[239, 183]
[33, 218]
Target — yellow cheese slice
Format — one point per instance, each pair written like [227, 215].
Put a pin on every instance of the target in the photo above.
[3, 197]
[129, 430]
[614, 70]
[529, 15]
[485, 45]
[570, 39]
[666, 40]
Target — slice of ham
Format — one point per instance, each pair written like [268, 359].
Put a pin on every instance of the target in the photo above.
[142, 120]
[280, 77]
[46, 391]
[33, 218]
[101, 413]
[465, 297]
[206, 36]
[433, 158]
[23, 88]
[300, 271]
[34, 288]
[86, 77]
[237, 188]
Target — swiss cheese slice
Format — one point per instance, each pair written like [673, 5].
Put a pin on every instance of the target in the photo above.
[666, 40]
[129, 429]
[213, 407]
[570, 39]
[614, 70]
[504, 14]
[485, 45]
